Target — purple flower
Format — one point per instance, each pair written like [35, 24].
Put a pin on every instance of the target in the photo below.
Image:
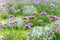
[40, 21]
[25, 18]
[2, 0]
[57, 30]
[52, 5]
[31, 17]
[54, 17]
[57, 25]
[34, 12]
[15, 11]
[5, 24]
[16, 21]
[53, 0]
[6, 6]
[27, 27]
[11, 16]
[26, 21]
[30, 24]
[12, 22]
[36, 2]
[43, 13]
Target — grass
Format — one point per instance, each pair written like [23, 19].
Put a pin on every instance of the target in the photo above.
[13, 34]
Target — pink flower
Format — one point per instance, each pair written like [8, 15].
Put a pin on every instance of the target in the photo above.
[57, 30]
[34, 12]
[12, 22]
[53, 0]
[57, 25]
[37, 2]
[11, 16]
[6, 6]
[27, 26]
[16, 21]
[25, 18]
[2, 0]
[31, 17]
[13, 9]
[30, 24]
[54, 17]
[5, 24]
[40, 21]
[43, 13]
[52, 5]
[26, 21]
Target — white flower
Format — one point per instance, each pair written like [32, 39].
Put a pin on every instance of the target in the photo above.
[46, 28]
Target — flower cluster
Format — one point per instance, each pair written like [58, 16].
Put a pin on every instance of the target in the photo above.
[39, 19]
[41, 33]
[34, 20]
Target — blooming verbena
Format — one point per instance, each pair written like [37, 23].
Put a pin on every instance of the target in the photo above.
[43, 13]
[5, 24]
[6, 5]
[36, 2]
[54, 17]
[41, 32]
[52, 5]
[13, 21]
[58, 30]
[14, 9]
[28, 25]
[57, 25]
[18, 21]
[53, 0]
[40, 21]
[2, 0]
[31, 17]
[34, 13]
[26, 19]
[11, 16]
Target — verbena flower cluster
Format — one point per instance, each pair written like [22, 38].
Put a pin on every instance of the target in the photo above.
[29, 20]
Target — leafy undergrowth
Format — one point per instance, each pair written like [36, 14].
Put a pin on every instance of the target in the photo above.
[13, 34]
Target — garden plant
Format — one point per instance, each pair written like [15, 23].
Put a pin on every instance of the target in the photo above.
[29, 20]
